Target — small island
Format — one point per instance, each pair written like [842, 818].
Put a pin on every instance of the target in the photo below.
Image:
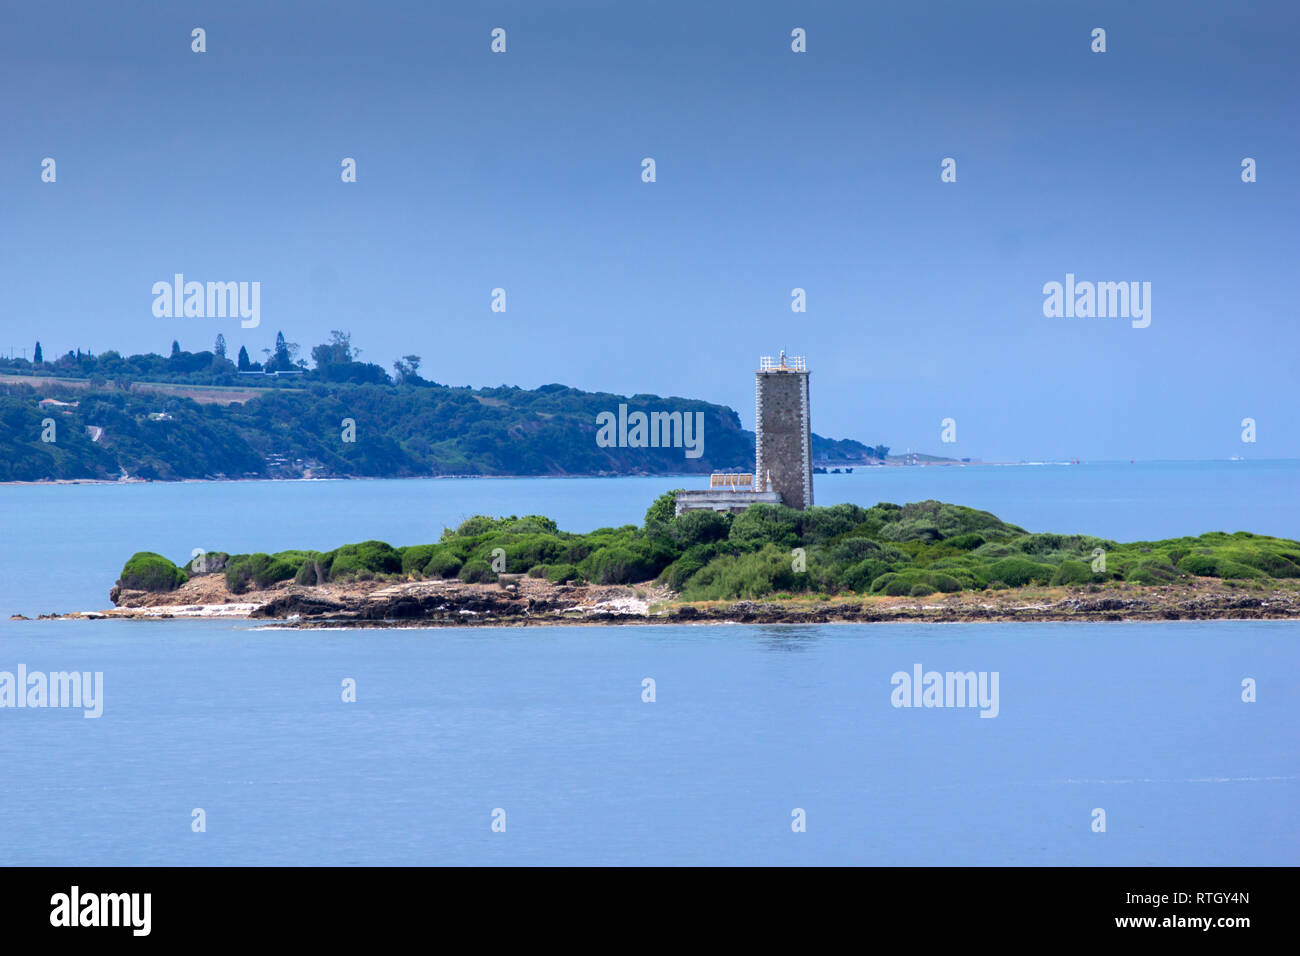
[925, 561]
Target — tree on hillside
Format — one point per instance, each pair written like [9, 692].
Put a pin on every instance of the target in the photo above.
[337, 351]
[38, 356]
[880, 451]
[244, 364]
[219, 348]
[336, 361]
[176, 348]
[408, 370]
[280, 359]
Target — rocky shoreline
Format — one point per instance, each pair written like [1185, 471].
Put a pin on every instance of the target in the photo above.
[518, 601]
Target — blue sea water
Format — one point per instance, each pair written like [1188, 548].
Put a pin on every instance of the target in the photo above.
[1142, 720]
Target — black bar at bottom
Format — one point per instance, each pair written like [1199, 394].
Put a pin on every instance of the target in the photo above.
[334, 905]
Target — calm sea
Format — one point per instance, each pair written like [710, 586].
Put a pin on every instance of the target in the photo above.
[749, 725]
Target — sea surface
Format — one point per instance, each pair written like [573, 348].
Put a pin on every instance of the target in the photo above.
[751, 728]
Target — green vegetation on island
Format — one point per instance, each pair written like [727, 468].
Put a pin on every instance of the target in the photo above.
[147, 571]
[909, 550]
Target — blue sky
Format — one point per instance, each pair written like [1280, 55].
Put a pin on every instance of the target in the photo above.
[775, 170]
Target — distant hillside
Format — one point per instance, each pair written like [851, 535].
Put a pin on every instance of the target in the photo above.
[202, 415]
[399, 430]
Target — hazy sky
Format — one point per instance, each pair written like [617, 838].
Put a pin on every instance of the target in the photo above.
[775, 170]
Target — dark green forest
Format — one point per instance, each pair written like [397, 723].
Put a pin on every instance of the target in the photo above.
[401, 425]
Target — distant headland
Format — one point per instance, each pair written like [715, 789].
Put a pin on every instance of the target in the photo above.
[202, 415]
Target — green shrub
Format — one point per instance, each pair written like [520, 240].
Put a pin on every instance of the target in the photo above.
[938, 581]
[700, 527]
[905, 582]
[308, 573]
[822, 525]
[1208, 565]
[257, 570]
[295, 557]
[442, 564]
[897, 583]
[893, 585]
[476, 571]
[562, 573]
[270, 569]
[575, 551]
[148, 571]
[1202, 565]
[913, 529]
[531, 525]
[1151, 572]
[208, 562]
[416, 557]
[376, 557]
[752, 574]
[760, 525]
[618, 565]
[969, 579]
[662, 509]
[1072, 572]
[858, 577]
[680, 571]
[966, 542]
[1273, 565]
[470, 527]
[851, 550]
[531, 549]
[1017, 572]
[1235, 569]
[1043, 545]
[938, 520]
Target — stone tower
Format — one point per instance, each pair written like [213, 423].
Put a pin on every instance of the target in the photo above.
[784, 430]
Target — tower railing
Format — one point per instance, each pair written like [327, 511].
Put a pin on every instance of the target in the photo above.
[786, 363]
[732, 482]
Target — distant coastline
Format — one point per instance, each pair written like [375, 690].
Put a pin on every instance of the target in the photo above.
[856, 467]
[107, 430]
